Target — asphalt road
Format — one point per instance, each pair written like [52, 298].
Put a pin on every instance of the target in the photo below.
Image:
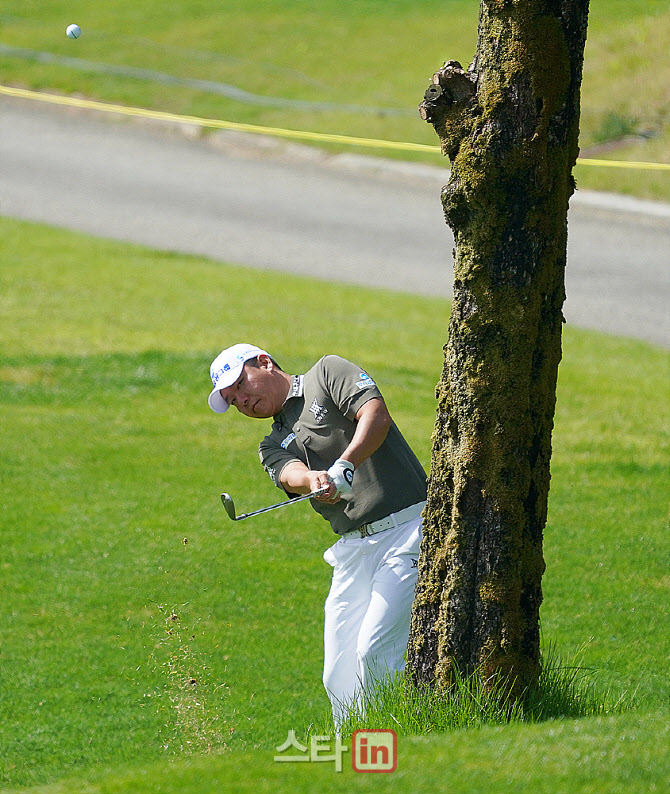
[283, 208]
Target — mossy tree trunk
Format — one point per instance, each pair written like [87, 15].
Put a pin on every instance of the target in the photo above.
[509, 125]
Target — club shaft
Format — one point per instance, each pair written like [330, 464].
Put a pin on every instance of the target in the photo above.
[282, 504]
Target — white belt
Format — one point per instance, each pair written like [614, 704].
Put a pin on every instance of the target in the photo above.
[392, 520]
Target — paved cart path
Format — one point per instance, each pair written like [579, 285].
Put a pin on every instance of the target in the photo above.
[280, 207]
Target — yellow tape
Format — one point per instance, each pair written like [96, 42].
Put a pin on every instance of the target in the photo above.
[276, 132]
[214, 123]
[625, 164]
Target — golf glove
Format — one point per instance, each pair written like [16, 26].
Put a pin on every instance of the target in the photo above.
[341, 474]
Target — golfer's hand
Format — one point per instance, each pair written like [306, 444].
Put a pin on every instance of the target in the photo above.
[297, 478]
[341, 475]
[319, 480]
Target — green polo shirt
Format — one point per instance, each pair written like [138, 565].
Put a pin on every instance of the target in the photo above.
[315, 426]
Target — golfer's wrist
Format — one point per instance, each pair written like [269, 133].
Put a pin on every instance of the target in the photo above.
[347, 458]
[294, 478]
[297, 478]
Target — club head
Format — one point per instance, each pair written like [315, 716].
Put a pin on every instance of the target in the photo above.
[229, 505]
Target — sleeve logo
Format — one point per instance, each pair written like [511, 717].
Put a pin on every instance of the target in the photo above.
[365, 381]
[285, 443]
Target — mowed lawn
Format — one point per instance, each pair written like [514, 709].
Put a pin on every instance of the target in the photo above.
[121, 576]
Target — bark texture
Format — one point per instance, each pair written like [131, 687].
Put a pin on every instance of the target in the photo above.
[509, 125]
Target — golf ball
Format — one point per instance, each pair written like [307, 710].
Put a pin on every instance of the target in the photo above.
[73, 31]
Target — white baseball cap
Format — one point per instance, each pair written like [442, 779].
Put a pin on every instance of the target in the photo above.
[226, 369]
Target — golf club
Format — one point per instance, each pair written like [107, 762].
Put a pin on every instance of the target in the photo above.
[229, 505]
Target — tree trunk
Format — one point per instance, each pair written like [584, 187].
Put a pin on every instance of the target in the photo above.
[510, 127]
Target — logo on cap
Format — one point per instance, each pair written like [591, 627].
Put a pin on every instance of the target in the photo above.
[216, 376]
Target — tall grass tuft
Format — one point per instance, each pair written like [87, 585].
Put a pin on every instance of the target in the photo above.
[570, 690]
[565, 690]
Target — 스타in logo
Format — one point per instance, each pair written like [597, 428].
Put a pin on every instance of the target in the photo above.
[374, 751]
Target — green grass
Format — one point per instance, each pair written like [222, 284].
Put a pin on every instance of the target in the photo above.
[111, 460]
[373, 53]
[612, 755]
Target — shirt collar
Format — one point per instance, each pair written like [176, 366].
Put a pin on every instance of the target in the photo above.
[297, 387]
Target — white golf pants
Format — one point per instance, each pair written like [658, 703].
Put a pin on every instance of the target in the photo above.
[367, 612]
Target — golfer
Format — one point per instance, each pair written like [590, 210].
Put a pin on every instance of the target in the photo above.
[331, 428]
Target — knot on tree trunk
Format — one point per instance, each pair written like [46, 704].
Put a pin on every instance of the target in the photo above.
[450, 104]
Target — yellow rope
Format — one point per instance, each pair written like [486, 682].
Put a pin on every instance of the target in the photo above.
[276, 132]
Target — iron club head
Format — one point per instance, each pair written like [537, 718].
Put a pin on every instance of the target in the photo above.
[229, 505]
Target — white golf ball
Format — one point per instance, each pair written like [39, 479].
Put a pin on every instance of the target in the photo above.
[73, 31]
